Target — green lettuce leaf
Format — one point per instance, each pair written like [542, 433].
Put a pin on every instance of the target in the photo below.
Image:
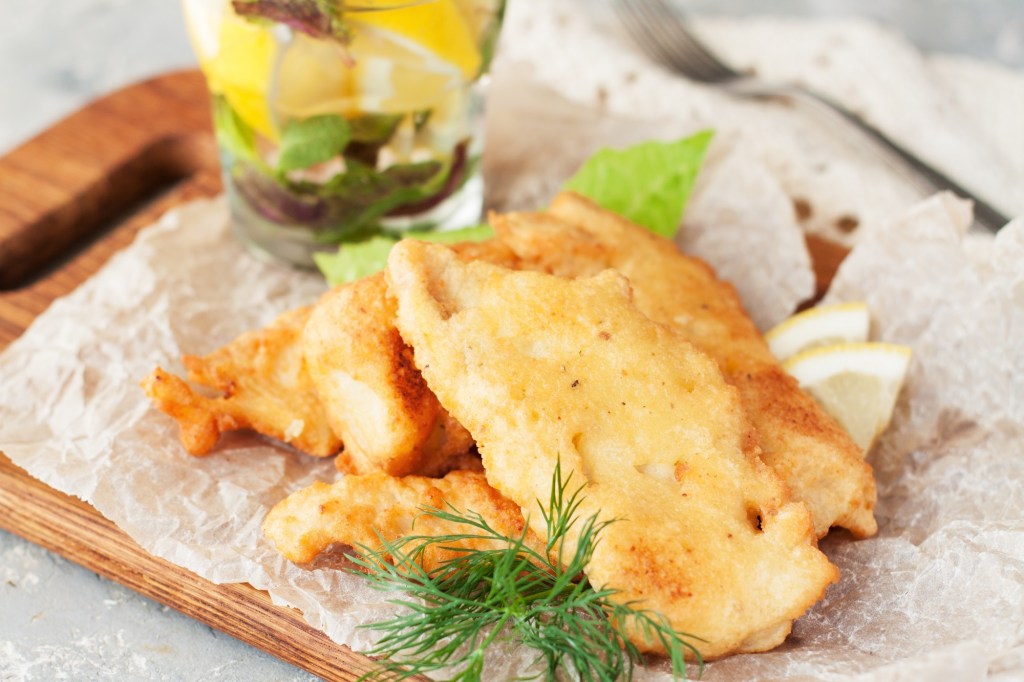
[648, 183]
[356, 260]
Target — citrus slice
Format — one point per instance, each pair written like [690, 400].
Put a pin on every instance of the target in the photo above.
[857, 383]
[238, 65]
[398, 60]
[314, 78]
[819, 326]
[436, 26]
[393, 75]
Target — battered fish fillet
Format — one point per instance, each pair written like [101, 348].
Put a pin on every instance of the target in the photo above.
[355, 509]
[541, 369]
[798, 439]
[264, 385]
[375, 399]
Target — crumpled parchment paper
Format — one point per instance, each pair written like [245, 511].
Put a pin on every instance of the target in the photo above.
[937, 595]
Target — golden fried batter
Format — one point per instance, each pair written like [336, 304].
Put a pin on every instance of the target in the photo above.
[264, 386]
[375, 399]
[543, 369]
[355, 509]
[816, 458]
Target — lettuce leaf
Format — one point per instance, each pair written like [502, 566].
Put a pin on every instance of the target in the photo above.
[356, 260]
[648, 183]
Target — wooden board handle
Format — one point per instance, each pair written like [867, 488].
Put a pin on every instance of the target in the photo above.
[59, 190]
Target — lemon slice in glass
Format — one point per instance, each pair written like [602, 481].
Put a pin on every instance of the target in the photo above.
[240, 68]
[857, 383]
[437, 27]
[399, 60]
[393, 75]
[819, 326]
[314, 78]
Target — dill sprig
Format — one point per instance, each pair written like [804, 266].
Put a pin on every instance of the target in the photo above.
[480, 595]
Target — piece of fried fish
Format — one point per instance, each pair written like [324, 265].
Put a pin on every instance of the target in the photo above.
[360, 510]
[374, 397]
[263, 385]
[543, 369]
[816, 458]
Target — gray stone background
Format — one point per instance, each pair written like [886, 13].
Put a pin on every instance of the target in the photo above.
[59, 621]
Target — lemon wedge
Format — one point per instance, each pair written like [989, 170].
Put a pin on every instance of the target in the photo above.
[819, 326]
[857, 383]
[437, 27]
[241, 67]
[398, 61]
[314, 78]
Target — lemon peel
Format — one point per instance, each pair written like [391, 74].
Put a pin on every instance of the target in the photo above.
[857, 383]
[820, 326]
[437, 26]
[241, 70]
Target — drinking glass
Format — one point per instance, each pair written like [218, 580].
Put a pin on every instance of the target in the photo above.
[339, 119]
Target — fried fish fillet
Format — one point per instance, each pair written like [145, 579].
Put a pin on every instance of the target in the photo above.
[375, 399]
[815, 457]
[264, 386]
[357, 508]
[543, 369]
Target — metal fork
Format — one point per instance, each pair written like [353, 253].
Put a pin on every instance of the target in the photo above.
[661, 32]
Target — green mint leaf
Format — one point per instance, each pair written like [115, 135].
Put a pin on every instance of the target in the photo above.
[356, 260]
[648, 183]
[317, 18]
[307, 142]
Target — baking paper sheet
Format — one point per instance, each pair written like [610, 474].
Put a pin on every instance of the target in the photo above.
[937, 595]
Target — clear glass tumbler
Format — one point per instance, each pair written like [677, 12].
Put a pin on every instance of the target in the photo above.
[337, 119]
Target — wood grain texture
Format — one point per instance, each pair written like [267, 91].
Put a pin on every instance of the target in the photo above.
[69, 199]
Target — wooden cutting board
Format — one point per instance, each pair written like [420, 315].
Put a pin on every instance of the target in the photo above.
[69, 198]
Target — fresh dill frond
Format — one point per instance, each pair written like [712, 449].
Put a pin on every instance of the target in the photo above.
[457, 610]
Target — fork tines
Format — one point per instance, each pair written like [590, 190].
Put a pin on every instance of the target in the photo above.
[660, 30]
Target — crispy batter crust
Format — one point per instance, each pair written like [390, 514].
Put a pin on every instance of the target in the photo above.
[798, 439]
[263, 384]
[375, 398]
[544, 369]
[353, 511]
